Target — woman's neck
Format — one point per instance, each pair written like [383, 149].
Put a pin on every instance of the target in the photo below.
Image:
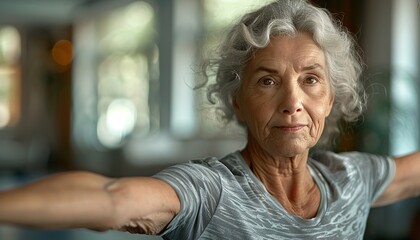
[288, 179]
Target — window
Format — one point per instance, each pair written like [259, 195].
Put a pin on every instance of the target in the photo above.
[9, 76]
[118, 55]
[405, 113]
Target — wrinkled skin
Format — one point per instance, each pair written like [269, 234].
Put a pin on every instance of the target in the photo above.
[284, 99]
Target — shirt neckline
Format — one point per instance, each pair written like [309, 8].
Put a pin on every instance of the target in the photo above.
[274, 202]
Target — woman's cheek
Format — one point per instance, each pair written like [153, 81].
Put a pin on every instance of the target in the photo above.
[317, 126]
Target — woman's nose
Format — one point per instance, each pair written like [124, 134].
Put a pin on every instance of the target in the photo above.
[290, 100]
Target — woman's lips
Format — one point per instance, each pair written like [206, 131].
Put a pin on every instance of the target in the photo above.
[292, 128]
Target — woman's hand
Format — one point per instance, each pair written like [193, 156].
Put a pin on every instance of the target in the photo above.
[87, 200]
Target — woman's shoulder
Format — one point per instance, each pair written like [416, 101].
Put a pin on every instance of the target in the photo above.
[231, 163]
[346, 158]
[365, 164]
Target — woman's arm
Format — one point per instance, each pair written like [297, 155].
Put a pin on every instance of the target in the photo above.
[87, 200]
[406, 182]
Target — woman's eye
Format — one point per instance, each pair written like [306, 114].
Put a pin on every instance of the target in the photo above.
[311, 80]
[267, 81]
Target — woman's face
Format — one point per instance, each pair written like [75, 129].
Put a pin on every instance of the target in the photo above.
[285, 96]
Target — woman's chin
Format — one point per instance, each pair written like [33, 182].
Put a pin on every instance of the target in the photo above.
[288, 151]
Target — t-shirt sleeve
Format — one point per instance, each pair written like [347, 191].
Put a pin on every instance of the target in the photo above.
[198, 188]
[376, 171]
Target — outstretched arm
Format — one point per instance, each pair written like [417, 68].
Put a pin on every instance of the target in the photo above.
[406, 182]
[87, 200]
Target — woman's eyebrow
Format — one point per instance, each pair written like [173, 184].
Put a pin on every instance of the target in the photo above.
[266, 69]
[313, 66]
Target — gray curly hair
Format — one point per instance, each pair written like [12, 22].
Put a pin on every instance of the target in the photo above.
[289, 17]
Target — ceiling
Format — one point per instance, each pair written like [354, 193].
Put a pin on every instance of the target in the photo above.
[46, 11]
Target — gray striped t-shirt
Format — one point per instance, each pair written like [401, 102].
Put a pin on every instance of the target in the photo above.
[222, 199]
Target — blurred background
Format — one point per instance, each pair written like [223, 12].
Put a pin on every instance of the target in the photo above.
[107, 86]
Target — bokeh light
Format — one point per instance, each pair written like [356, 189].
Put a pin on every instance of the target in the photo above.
[117, 122]
[62, 52]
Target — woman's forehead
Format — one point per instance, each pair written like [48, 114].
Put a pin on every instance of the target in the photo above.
[299, 50]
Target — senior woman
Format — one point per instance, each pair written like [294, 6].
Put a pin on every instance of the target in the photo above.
[288, 73]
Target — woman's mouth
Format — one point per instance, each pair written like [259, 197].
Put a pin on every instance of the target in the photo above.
[292, 127]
